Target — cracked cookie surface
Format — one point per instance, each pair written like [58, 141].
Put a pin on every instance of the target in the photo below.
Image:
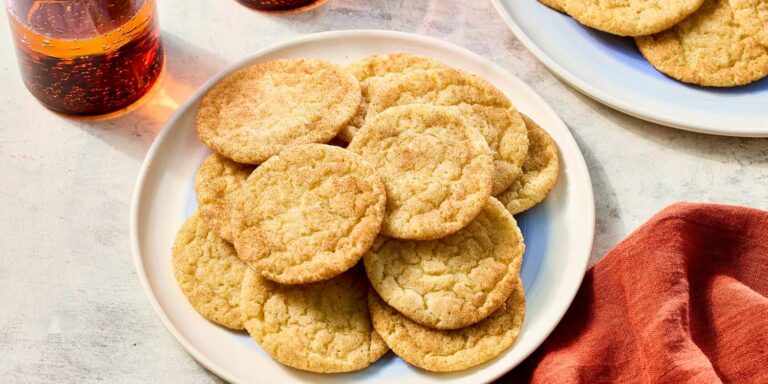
[320, 327]
[539, 172]
[216, 178]
[449, 350]
[376, 68]
[708, 48]
[261, 109]
[307, 214]
[630, 18]
[504, 130]
[436, 167]
[454, 281]
[752, 15]
[209, 272]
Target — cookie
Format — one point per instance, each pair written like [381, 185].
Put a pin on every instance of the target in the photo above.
[554, 4]
[752, 16]
[320, 327]
[261, 109]
[436, 167]
[209, 272]
[539, 172]
[630, 18]
[376, 68]
[708, 48]
[507, 137]
[216, 178]
[504, 130]
[449, 350]
[307, 214]
[454, 281]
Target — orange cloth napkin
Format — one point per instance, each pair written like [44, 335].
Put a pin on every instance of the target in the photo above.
[683, 299]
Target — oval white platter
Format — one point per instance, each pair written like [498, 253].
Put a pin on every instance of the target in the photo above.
[612, 71]
[558, 232]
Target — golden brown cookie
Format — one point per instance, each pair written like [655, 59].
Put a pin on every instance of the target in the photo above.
[376, 68]
[504, 129]
[630, 18]
[209, 272]
[708, 48]
[453, 350]
[539, 172]
[436, 167]
[752, 15]
[261, 109]
[216, 178]
[320, 327]
[307, 214]
[554, 4]
[454, 281]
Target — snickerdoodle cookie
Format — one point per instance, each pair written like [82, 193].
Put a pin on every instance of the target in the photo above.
[454, 281]
[708, 48]
[630, 18]
[261, 109]
[539, 172]
[320, 327]
[376, 68]
[307, 214]
[209, 272]
[216, 178]
[436, 167]
[449, 350]
[504, 130]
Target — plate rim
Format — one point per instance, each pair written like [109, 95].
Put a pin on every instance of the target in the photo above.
[138, 263]
[611, 101]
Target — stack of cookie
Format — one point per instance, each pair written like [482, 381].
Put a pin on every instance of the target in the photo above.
[716, 43]
[398, 160]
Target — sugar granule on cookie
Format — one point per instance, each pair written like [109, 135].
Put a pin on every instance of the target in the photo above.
[435, 165]
[454, 281]
[209, 272]
[261, 109]
[307, 214]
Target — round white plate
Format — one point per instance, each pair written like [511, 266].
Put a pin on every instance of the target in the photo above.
[611, 70]
[558, 232]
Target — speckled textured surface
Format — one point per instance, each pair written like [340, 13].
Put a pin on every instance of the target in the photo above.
[72, 309]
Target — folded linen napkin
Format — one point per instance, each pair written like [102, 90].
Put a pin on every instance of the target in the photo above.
[683, 299]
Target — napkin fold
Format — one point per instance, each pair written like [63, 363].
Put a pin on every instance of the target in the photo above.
[683, 299]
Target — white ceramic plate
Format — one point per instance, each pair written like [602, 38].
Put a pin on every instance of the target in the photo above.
[558, 233]
[611, 70]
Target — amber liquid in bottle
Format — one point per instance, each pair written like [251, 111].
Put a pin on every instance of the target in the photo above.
[277, 5]
[87, 57]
